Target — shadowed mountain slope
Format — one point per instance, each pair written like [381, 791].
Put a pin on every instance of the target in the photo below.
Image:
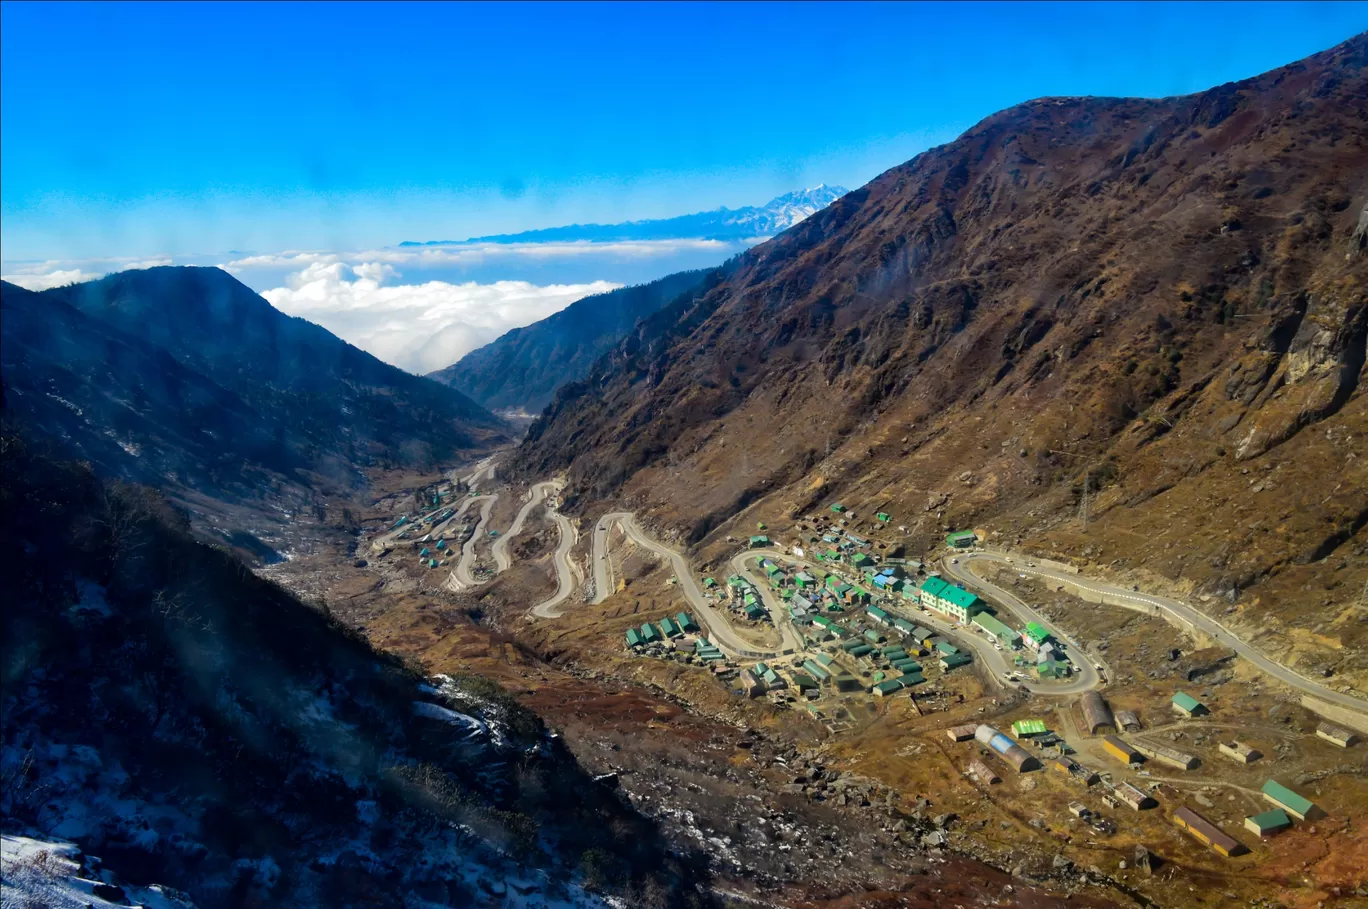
[1160, 305]
[196, 725]
[185, 377]
[523, 368]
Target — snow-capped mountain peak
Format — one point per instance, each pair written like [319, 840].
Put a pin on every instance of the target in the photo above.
[749, 222]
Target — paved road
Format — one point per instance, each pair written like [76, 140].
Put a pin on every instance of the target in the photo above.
[500, 548]
[565, 571]
[1184, 616]
[483, 466]
[461, 577]
[719, 629]
[1086, 678]
[740, 564]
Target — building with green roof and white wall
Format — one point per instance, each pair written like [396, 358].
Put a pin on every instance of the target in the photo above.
[949, 599]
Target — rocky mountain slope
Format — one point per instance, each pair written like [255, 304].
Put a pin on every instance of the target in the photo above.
[522, 369]
[780, 213]
[183, 377]
[1159, 306]
[196, 726]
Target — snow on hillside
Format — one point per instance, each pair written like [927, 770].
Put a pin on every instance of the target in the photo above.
[57, 875]
[746, 223]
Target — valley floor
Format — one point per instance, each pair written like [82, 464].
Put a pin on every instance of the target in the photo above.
[848, 800]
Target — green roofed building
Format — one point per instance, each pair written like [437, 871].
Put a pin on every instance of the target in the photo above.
[953, 601]
[633, 638]
[860, 650]
[1188, 705]
[1298, 806]
[687, 623]
[649, 633]
[883, 517]
[1036, 635]
[816, 671]
[1029, 727]
[1053, 669]
[709, 583]
[1268, 822]
[758, 541]
[804, 580]
[911, 678]
[884, 689]
[838, 508]
[803, 682]
[860, 560]
[670, 627]
[946, 648]
[961, 540]
[1004, 635]
[954, 661]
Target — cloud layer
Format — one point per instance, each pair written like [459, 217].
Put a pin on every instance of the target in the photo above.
[422, 308]
[418, 327]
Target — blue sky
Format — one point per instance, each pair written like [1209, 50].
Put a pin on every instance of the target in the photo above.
[295, 144]
[133, 130]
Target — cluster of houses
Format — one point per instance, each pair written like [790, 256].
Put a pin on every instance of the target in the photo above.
[1287, 805]
[434, 548]
[673, 635]
[743, 596]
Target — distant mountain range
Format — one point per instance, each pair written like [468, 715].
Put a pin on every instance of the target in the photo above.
[777, 215]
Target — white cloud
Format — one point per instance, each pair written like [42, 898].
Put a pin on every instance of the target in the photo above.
[45, 280]
[419, 327]
[479, 253]
[53, 273]
[438, 315]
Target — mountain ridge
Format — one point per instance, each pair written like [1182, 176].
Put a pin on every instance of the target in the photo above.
[521, 369]
[185, 379]
[747, 222]
[1044, 305]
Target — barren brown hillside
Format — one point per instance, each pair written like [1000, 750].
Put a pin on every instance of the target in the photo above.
[1163, 300]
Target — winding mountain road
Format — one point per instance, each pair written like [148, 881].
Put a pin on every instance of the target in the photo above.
[720, 631]
[1173, 611]
[1085, 679]
[565, 569]
[461, 577]
[500, 548]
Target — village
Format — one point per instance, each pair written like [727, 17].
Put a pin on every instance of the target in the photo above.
[866, 629]
[875, 624]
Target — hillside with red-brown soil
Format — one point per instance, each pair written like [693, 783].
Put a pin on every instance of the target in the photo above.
[1158, 308]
